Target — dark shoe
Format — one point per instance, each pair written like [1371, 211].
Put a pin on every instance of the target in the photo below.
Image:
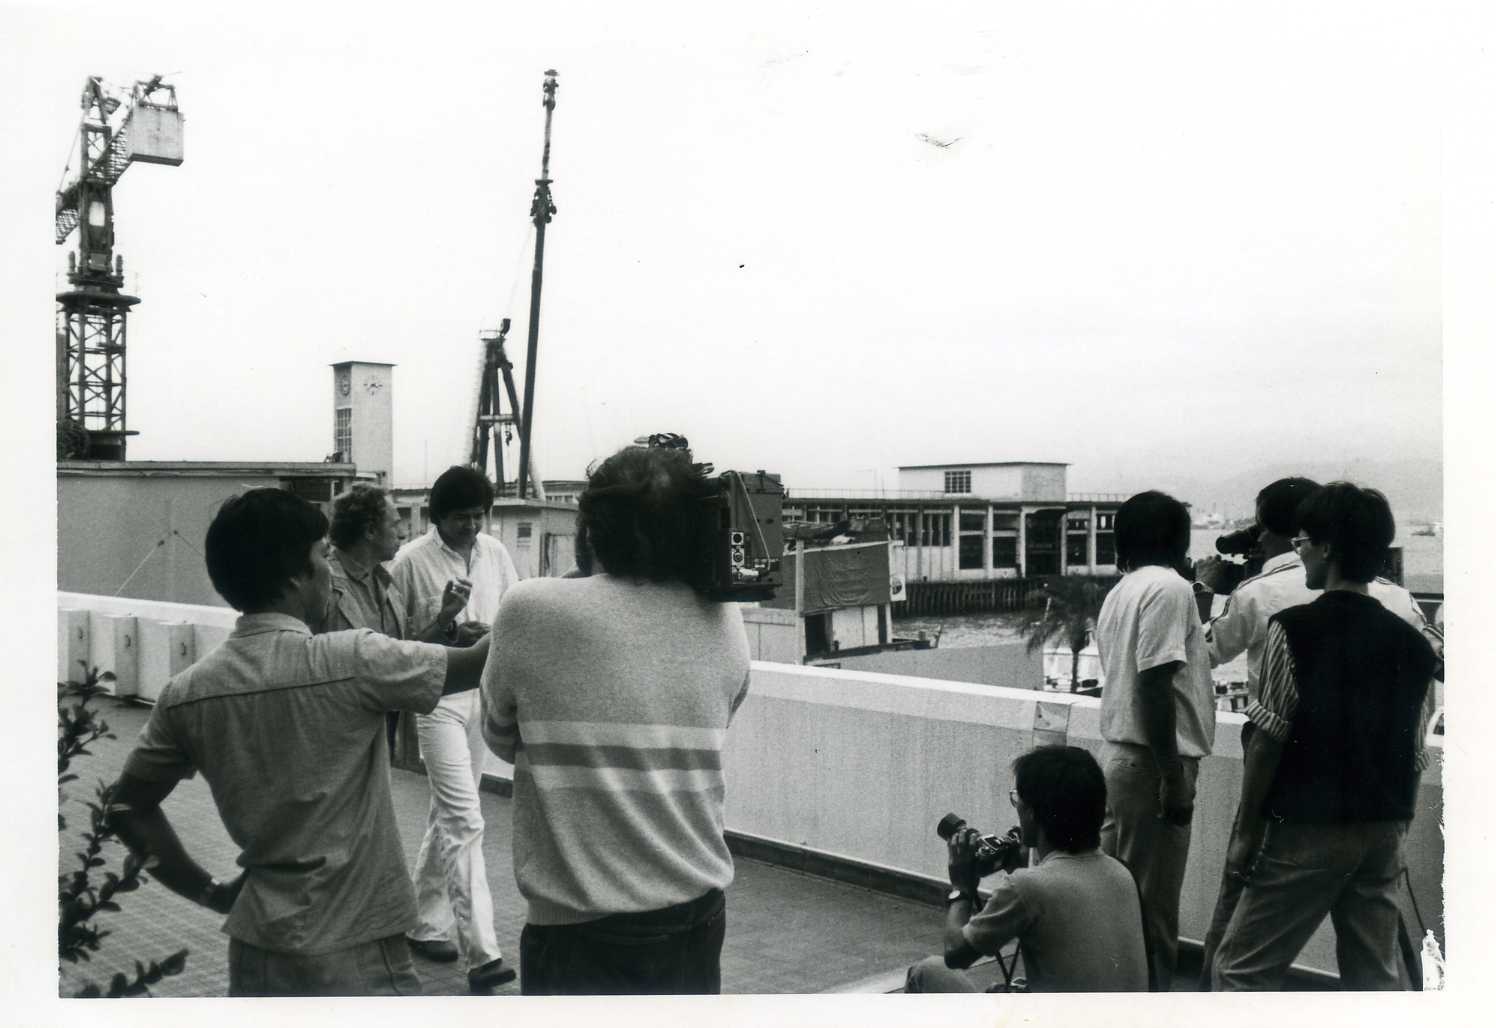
[483, 979]
[440, 950]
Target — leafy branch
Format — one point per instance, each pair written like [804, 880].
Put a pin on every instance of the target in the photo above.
[80, 896]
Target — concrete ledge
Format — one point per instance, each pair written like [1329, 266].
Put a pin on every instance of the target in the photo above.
[887, 880]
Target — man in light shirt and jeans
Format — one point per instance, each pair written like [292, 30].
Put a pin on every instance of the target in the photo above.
[1157, 713]
[450, 878]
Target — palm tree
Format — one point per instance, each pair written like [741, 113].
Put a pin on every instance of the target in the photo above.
[1065, 606]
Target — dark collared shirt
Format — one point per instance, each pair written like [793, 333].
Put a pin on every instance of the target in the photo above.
[364, 597]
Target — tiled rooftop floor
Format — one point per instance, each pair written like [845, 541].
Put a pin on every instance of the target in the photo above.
[786, 932]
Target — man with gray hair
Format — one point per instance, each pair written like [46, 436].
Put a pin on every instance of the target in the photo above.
[366, 532]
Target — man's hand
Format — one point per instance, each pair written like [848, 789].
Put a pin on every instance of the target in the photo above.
[221, 896]
[470, 632]
[960, 865]
[1241, 854]
[1211, 573]
[454, 598]
[1176, 796]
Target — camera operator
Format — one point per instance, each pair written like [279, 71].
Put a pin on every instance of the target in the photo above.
[612, 693]
[1243, 625]
[1329, 779]
[1075, 913]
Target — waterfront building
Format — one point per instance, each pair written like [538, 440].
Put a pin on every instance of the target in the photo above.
[980, 520]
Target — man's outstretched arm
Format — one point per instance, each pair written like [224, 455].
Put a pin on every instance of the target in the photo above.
[136, 816]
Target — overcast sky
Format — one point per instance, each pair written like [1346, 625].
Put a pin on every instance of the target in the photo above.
[1187, 236]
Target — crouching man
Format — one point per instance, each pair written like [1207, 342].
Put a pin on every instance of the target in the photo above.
[288, 730]
[612, 694]
[1075, 913]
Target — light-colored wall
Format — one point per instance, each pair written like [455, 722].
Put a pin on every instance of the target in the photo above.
[848, 763]
[1044, 482]
[559, 523]
[153, 527]
[1005, 664]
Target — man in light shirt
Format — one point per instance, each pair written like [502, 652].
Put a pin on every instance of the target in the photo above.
[451, 880]
[1157, 713]
[286, 727]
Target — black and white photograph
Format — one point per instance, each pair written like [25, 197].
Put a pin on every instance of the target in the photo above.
[761, 514]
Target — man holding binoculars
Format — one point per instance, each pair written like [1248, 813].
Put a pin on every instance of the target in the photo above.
[1075, 912]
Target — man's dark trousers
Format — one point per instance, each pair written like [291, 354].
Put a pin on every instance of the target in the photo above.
[673, 951]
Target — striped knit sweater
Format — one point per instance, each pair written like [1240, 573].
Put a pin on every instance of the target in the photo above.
[612, 699]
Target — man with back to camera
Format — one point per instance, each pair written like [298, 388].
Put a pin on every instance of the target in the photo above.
[612, 695]
[1157, 713]
[366, 532]
[287, 729]
[1333, 764]
[1242, 625]
[1075, 913]
[452, 892]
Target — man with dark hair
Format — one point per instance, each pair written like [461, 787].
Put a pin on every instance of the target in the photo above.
[456, 570]
[1242, 625]
[286, 728]
[1157, 713]
[1340, 718]
[612, 695]
[1075, 913]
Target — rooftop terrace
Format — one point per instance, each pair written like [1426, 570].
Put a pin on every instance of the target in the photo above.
[839, 772]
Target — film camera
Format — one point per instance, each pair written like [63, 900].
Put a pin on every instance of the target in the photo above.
[740, 534]
[1242, 544]
[993, 852]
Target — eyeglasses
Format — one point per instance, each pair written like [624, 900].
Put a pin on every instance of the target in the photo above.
[1013, 798]
[1299, 540]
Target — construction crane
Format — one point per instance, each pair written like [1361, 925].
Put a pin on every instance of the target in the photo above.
[490, 418]
[116, 130]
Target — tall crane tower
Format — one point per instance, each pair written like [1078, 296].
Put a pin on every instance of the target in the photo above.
[116, 131]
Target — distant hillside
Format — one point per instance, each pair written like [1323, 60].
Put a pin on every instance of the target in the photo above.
[1414, 488]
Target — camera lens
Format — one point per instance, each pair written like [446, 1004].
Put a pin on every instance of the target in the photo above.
[949, 826]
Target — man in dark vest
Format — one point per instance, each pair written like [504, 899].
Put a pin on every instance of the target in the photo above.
[1329, 781]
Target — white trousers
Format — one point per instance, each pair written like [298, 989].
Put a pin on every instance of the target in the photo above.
[450, 879]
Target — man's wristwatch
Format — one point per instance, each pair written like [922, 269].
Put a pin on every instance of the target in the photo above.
[954, 895]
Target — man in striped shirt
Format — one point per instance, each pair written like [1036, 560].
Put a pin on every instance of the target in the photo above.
[612, 695]
[1330, 777]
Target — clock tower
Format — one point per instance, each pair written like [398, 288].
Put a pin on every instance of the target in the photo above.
[362, 416]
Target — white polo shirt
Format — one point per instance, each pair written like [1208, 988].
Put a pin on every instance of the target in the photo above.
[1149, 619]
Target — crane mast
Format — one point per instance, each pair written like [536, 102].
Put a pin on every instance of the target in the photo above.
[541, 212]
[92, 315]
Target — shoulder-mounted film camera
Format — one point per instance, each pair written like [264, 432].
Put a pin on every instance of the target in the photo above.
[740, 544]
[1243, 544]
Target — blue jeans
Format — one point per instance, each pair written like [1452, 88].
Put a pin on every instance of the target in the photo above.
[1154, 850]
[673, 951]
[378, 968]
[1303, 872]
